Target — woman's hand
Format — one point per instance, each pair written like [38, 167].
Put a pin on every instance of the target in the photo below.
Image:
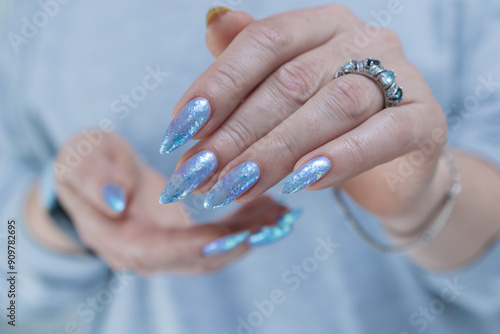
[112, 200]
[273, 101]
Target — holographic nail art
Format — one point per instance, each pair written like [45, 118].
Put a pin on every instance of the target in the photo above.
[114, 196]
[289, 218]
[186, 124]
[188, 177]
[225, 244]
[305, 175]
[232, 185]
[270, 234]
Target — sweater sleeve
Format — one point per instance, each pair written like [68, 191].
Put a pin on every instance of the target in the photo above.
[474, 127]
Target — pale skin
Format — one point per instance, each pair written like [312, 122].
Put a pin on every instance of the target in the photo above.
[274, 102]
[146, 237]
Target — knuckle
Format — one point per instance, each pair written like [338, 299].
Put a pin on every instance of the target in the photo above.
[348, 95]
[357, 147]
[401, 128]
[269, 34]
[230, 76]
[296, 79]
[256, 149]
[283, 143]
[341, 12]
[237, 134]
[388, 37]
[338, 9]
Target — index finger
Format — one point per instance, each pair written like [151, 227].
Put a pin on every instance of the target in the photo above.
[253, 55]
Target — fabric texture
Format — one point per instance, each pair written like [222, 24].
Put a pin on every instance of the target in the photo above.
[71, 74]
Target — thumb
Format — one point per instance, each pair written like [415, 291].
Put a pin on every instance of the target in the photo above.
[106, 178]
[118, 178]
[223, 25]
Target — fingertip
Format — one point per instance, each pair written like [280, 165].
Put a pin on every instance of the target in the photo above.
[215, 12]
[114, 196]
[225, 244]
[223, 26]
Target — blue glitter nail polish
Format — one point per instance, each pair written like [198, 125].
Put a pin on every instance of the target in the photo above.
[188, 177]
[305, 175]
[114, 196]
[289, 218]
[225, 244]
[269, 234]
[232, 185]
[186, 124]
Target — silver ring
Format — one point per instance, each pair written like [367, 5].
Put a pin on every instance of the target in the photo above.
[393, 94]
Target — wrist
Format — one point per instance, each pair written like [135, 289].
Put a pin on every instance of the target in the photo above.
[423, 208]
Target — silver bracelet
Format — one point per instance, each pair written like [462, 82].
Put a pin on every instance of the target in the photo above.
[431, 233]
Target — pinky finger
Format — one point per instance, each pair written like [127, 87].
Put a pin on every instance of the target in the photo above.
[382, 138]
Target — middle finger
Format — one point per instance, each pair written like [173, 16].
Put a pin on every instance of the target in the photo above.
[339, 107]
[279, 96]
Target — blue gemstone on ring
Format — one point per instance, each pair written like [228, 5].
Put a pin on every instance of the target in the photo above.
[370, 62]
[387, 78]
[398, 96]
[347, 68]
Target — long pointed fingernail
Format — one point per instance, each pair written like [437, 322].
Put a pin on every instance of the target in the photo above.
[289, 218]
[306, 175]
[225, 244]
[232, 185]
[188, 177]
[186, 124]
[114, 196]
[270, 234]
